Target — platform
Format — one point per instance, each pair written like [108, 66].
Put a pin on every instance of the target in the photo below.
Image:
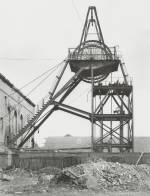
[117, 89]
[112, 117]
[92, 56]
[100, 67]
[105, 145]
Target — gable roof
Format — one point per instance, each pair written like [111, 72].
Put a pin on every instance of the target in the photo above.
[4, 79]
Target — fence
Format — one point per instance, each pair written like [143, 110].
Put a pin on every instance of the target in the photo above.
[37, 160]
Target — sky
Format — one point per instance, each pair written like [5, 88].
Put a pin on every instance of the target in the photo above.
[36, 34]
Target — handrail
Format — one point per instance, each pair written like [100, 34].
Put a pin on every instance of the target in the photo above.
[92, 53]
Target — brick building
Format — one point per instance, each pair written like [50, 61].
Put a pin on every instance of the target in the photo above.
[15, 111]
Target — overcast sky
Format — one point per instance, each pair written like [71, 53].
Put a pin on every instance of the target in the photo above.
[41, 31]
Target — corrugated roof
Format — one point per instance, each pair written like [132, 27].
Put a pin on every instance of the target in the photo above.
[4, 79]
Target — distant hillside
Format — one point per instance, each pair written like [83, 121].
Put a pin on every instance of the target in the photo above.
[141, 144]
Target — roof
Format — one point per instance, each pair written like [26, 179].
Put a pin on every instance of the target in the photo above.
[2, 77]
[141, 144]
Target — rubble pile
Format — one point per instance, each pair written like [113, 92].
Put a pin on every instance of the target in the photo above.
[106, 176]
[98, 175]
[72, 176]
[45, 175]
[17, 172]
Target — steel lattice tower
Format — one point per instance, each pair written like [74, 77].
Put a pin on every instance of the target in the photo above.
[93, 62]
[113, 112]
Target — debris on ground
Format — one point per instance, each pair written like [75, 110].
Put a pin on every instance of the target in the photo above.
[105, 176]
[4, 176]
[74, 175]
[45, 175]
[98, 176]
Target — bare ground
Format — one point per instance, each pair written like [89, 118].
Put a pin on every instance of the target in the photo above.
[26, 184]
[68, 192]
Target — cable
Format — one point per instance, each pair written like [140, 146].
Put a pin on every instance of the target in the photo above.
[37, 78]
[31, 89]
[35, 86]
[28, 94]
[40, 83]
[27, 84]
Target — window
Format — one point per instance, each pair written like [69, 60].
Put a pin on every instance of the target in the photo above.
[21, 124]
[21, 121]
[1, 125]
[9, 117]
[15, 122]
[6, 100]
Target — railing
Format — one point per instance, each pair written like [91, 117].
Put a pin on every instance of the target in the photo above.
[38, 107]
[45, 99]
[92, 54]
[42, 102]
[117, 80]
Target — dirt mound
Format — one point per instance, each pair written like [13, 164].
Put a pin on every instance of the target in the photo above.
[98, 175]
[106, 176]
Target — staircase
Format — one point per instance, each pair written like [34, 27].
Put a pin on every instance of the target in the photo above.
[45, 103]
[48, 100]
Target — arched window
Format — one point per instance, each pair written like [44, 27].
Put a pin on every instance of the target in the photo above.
[8, 108]
[6, 100]
[9, 118]
[21, 121]
[1, 125]
[15, 122]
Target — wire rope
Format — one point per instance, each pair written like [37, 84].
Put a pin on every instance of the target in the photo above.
[51, 69]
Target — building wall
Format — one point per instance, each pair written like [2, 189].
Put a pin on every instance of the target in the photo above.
[15, 111]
